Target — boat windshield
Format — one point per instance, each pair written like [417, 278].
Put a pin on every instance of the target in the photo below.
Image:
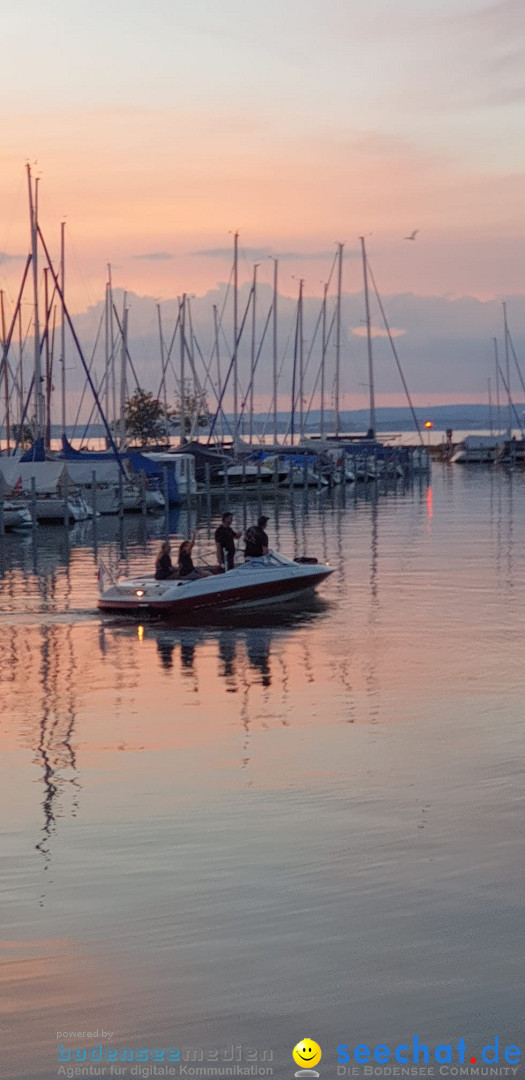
[273, 558]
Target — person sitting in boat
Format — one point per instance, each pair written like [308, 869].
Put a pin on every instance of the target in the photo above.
[225, 539]
[187, 571]
[164, 568]
[256, 540]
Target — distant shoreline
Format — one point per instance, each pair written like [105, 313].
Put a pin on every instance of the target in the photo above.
[352, 422]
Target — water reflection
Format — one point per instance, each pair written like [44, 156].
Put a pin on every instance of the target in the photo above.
[258, 644]
[166, 643]
[264, 659]
[236, 647]
[55, 750]
[40, 670]
[152, 767]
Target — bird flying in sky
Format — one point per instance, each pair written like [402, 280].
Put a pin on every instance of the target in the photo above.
[412, 235]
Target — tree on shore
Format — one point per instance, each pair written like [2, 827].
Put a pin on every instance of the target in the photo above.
[23, 435]
[149, 421]
[196, 413]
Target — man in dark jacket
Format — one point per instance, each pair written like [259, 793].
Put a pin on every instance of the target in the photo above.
[225, 539]
[256, 540]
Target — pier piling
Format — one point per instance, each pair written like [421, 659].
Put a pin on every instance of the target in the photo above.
[94, 493]
[94, 511]
[143, 504]
[120, 495]
[33, 503]
[165, 489]
[66, 500]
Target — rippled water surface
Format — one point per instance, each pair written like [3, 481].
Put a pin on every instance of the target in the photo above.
[304, 821]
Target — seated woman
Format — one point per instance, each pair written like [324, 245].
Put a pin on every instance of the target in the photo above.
[187, 570]
[164, 568]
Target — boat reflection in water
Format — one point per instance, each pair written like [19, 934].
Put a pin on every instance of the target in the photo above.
[240, 646]
[256, 643]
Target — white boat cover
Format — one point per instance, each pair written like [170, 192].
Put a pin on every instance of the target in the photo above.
[81, 472]
[52, 475]
[48, 475]
[483, 442]
[9, 474]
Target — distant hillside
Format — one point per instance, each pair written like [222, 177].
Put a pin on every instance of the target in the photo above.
[457, 417]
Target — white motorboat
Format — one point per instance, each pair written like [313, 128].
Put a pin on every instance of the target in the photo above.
[479, 450]
[382, 468]
[297, 476]
[61, 508]
[273, 464]
[238, 475]
[270, 579]
[133, 499]
[181, 466]
[348, 478]
[56, 494]
[16, 515]
[104, 499]
[294, 474]
[155, 501]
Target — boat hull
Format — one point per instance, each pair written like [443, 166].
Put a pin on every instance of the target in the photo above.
[16, 517]
[57, 509]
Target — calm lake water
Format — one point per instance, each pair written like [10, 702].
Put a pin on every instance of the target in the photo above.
[300, 823]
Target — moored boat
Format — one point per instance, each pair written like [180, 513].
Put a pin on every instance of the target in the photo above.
[16, 515]
[241, 475]
[479, 450]
[270, 579]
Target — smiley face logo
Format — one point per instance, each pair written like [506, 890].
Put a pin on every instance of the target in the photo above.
[307, 1053]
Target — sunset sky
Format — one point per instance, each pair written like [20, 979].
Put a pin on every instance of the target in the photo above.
[159, 129]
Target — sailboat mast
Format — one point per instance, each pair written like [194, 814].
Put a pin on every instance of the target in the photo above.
[106, 349]
[235, 331]
[33, 218]
[182, 331]
[300, 343]
[20, 370]
[252, 349]
[162, 367]
[372, 423]
[274, 306]
[323, 360]
[47, 312]
[63, 327]
[123, 361]
[337, 417]
[507, 367]
[6, 378]
[490, 407]
[294, 376]
[217, 350]
[112, 352]
[196, 394]
[498, 408]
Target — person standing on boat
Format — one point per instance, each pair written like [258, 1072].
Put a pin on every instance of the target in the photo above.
[164, 568]
[256, 540]
[225, 539]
